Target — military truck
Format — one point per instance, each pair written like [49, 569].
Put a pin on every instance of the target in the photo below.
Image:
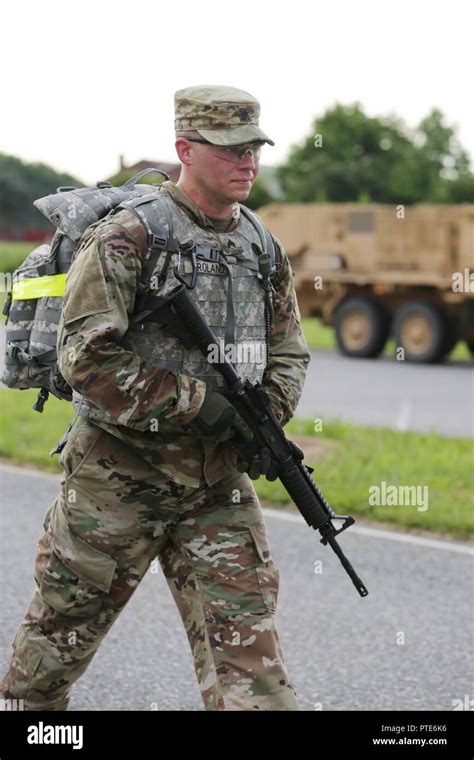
[375, 271]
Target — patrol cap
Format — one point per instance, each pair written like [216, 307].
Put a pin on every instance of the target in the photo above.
[222, 115]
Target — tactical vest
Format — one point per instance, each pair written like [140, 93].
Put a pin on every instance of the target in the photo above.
[224, 271]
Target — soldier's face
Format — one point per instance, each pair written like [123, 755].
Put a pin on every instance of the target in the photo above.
[221, 174]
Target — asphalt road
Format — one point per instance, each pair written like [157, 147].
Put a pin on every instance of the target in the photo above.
[387, 393]
[341, 650]
[384, 393]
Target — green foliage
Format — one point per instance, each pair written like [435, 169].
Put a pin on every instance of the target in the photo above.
[462, 189]
[349, 156]
[150, 179]
[259, 195]
[22, 183]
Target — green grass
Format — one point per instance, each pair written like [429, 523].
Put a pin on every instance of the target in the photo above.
[354, 459]
[320, 336]
[361, 457]
[27, 436]
[13, 253]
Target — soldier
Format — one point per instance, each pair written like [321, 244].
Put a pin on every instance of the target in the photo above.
[151, 467]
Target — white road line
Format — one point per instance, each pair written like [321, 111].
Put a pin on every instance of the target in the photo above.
[362, 530]
[284, 514]
[403, 416]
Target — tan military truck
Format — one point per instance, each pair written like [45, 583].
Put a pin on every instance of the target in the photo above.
[374, 271]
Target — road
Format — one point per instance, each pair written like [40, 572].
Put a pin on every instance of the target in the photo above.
[408, 645]
[386, 393]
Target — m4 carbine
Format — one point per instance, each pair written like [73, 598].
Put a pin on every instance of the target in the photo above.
[178, 315]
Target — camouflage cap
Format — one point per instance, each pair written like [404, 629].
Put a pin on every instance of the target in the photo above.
[222, 115]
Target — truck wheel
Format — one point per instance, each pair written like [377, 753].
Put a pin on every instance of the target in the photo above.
[422, 330]
[361, 327]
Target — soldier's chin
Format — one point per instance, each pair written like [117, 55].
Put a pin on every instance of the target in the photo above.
[241, 189]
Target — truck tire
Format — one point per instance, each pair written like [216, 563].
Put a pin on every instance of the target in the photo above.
[422, 330]
[361, 327]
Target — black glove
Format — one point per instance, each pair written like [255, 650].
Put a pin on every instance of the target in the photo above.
[215, 417]
[257, 460]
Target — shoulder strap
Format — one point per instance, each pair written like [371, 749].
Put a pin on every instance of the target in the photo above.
[272, 266]
[160, 234]
[266, 239]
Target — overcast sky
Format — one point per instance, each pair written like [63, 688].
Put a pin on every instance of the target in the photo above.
[82, 83]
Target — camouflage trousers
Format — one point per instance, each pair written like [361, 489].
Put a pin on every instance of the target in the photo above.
[115, 514]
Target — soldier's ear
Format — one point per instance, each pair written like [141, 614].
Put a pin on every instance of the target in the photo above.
[184, 149]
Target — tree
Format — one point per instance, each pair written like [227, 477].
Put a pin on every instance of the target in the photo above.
[445, 163]
[259, 195]
[349, 156]
[22, 183]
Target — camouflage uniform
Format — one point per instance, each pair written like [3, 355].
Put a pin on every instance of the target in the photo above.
[131, 493]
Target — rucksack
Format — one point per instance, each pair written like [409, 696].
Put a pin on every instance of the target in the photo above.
[34, 304]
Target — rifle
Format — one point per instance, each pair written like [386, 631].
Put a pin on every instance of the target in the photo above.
[178, 315]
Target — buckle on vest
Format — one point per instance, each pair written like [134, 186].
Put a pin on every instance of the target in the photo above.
[180, 277]
[155, 241]
[207, 253]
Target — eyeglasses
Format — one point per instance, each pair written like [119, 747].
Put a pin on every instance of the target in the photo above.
[233, 153]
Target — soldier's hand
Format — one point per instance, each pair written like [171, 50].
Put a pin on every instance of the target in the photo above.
[257, 461]
[241, 432]
[215, 417]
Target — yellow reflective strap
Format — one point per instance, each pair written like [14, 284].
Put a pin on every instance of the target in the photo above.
[37, 287]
